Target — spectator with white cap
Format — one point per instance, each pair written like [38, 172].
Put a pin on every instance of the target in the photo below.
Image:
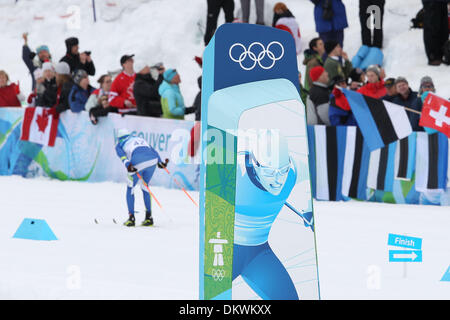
[39, 88]
[64, 84]
[48, 97]
[146, 88]
[39, 78]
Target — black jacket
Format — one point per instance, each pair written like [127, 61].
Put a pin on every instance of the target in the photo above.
[197, 106]
[146, 94]
[75, 64]
[318, 104]
[319, 94]
[48, 98]
[63, 104]
[412, 103]
[27, 57]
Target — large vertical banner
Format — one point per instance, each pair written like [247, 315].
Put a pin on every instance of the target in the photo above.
[257, 236]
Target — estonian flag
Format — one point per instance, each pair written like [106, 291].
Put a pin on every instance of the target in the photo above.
[381, 122]
[381, 168]
[405, 158]
[312, 159]
[356, 165]
[431, 162]
[329, 148]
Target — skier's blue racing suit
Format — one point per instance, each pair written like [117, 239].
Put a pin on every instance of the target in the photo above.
[253, 259]
[136, 151]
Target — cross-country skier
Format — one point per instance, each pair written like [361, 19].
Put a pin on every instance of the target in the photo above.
[266, 176]
[138, 157]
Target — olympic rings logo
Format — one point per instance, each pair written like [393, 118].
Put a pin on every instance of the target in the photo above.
[218, 274]
[256, 57]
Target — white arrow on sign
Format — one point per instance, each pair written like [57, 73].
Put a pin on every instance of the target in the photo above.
[411, 255]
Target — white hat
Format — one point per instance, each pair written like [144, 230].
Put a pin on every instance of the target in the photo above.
[62, 68]
[140, 64]
[48, 66]
[123, 132]
[38, 73]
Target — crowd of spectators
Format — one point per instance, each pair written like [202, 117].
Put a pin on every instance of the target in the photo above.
[144, 90]
[329, 69]
[326, 103]
[153, 90]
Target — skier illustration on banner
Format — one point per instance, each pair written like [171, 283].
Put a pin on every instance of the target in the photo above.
[265, 178]
[250, 82]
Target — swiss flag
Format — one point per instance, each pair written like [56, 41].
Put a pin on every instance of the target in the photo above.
[436, 114]
[40, 125]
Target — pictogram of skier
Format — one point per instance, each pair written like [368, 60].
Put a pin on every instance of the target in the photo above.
[264, 182]
[138, 157]
[218, 250]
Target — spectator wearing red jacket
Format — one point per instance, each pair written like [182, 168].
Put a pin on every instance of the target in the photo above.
[121, 94]
[9, 93]
[375, 84]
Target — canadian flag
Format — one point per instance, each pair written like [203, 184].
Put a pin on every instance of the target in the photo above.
[40, 125]
[290, 25]
[436, 114]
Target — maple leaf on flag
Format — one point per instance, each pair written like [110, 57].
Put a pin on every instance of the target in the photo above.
[42, 122]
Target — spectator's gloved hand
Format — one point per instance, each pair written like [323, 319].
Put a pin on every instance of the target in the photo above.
[129, 104]
[131, 169]
[163, 165]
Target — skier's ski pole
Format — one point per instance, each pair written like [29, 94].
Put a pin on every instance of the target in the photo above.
[153, 196]
[180, 186]
[309, 223]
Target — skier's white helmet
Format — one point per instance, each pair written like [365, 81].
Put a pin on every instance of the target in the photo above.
[269, 156]
[122, 133]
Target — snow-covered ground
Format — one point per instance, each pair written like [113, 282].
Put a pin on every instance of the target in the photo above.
[109, 261]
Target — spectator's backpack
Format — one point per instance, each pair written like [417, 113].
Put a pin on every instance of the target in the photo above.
[417, 22]
[447, 52]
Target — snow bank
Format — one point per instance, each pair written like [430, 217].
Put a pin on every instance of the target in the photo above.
[172, 31]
